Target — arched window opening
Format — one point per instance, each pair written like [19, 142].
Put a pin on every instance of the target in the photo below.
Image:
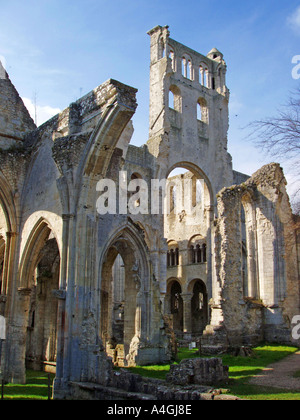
[161, 49]
[171, 100]
[172, 58]
[199, 306]
[41, 339]
[202, 111]
[192, 254]
[206, 78]
[197, 250]
[175, 100]
[198, 191]
[201, 75]
[184, 67]
[187, 68]
[173, 255]
[176, 306]
[134, 176]
[213, 83]
[199, 112]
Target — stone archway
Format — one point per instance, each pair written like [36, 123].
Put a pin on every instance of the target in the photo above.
[124, 300]
[34, 326]
[41, 342]
[175, 306]
[199, 308]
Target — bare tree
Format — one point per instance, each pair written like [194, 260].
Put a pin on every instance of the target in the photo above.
[279, 137]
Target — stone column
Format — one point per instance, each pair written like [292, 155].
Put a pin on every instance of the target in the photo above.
[61, 296]
[17, 332]
[63, 349]
[211, 277]
[187, 315]
[8, 263]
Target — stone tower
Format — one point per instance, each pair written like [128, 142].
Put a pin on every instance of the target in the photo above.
[189, 105]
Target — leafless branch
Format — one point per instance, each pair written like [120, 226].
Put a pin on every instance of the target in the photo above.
[279, 137]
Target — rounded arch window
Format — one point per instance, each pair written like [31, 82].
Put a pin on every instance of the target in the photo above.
[173, 254]
[202, 110]
[175, 98]
[187, 67]
[204, 75]
[172, 57]
[197, 250]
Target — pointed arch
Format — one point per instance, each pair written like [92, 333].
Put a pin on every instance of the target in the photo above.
[122, 343]
[35, 242]
[197, 172]
[120, 107]
[8, 205]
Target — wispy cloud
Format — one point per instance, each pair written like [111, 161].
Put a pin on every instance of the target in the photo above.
[42, 113]
[294, 21]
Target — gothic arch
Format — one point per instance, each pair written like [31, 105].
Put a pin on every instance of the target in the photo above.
[197, 172]
[135, 319]
[99, 150]
[37, 307]
[8, 205]
[174, 304]
[199, 306]
[35, 242]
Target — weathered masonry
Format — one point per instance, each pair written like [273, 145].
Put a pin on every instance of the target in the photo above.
[81, 291]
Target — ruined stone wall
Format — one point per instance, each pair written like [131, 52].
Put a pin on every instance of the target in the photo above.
[49, 187]
[15, 120]
[239, 318]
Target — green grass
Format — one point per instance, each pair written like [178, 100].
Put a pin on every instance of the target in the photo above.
[241, 370]
[36, 387]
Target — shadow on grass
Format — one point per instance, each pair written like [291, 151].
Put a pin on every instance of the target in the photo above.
[241, 370]
[36, 387]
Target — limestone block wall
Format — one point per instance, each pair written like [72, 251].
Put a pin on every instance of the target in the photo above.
[238, 317]
[15, 120]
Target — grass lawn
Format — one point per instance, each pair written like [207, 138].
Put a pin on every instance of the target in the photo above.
[240, 372]
[241, 369]
[36, 387]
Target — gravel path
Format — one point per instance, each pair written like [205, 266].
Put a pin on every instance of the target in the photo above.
[280, 374]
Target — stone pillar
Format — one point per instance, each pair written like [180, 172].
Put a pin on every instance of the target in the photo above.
[63, 355]
[17, 331]
[8, 262]
[61, 296]
[187, 315]
[209, 245]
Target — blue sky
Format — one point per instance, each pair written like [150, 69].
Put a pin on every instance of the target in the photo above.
[60, 50]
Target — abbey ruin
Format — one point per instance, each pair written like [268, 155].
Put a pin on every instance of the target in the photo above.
[81, 291]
